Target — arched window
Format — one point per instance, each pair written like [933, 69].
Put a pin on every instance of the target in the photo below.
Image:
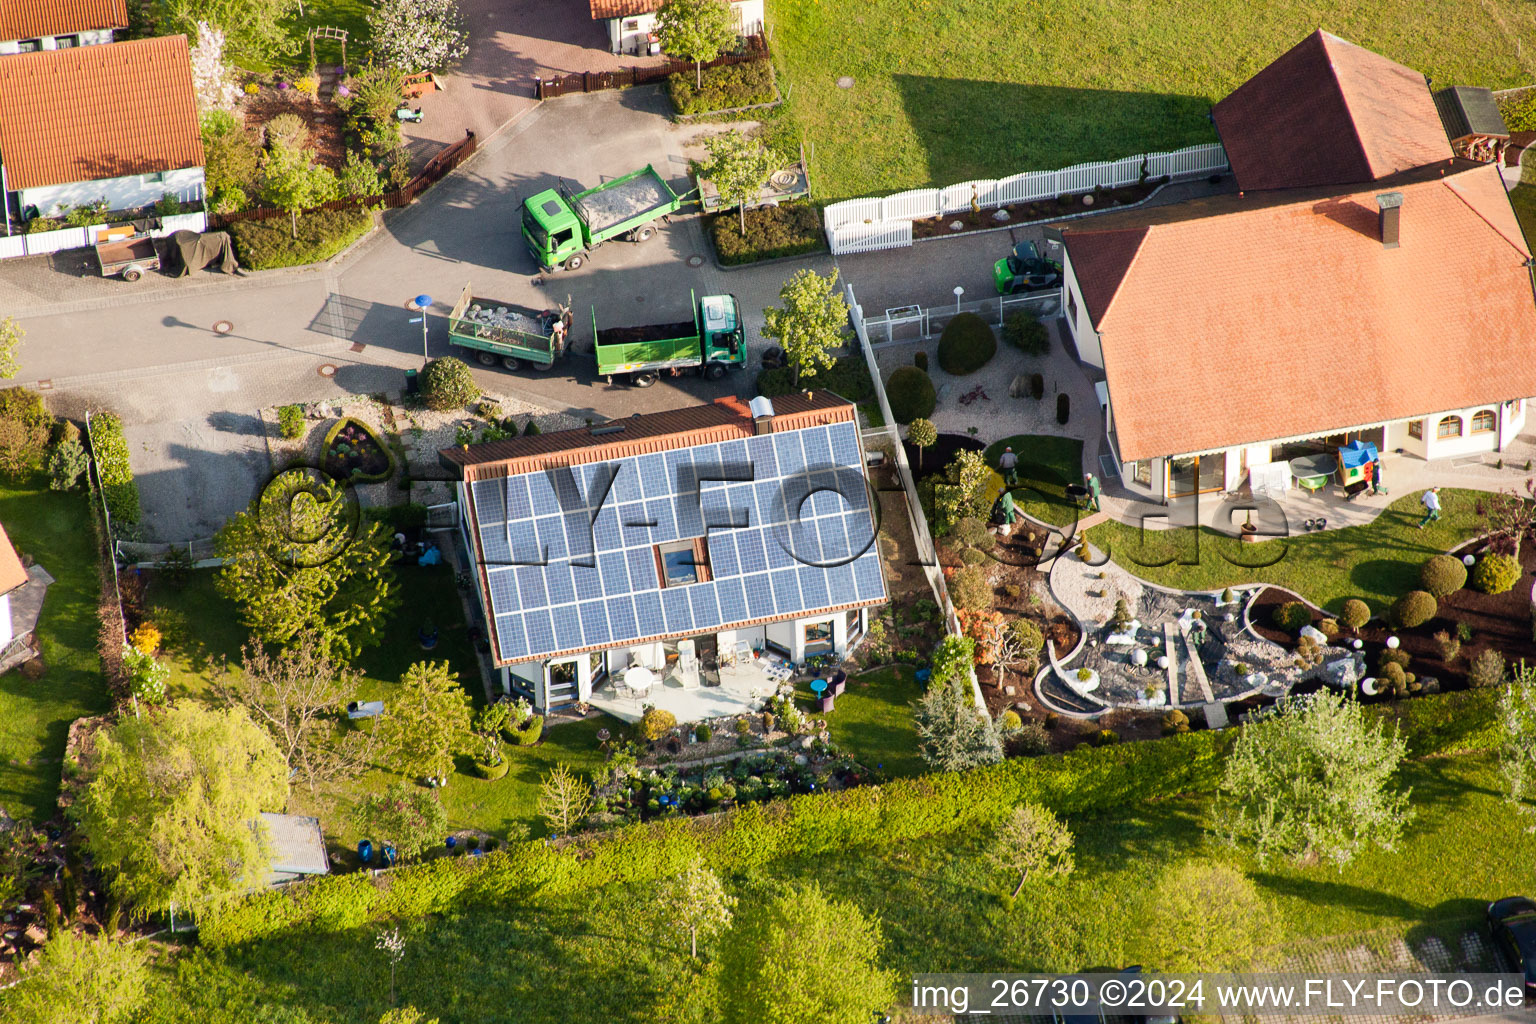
[1450, 426]
[1484, 422]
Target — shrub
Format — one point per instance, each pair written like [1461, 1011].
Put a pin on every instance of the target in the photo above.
[1174, 722]
[773, 232]
[910, 392]
[1029, 740]
[1450, 646]
[656, 723]
[1329, 628]
[920, 359]
[1519, 111]
[1023, 330]
[358, 176]
[1487, 670]
[1414, 609]
[967, 344]
[1389, 656]
[1106, 738]
[1291, 616]
[1063, 408]
[973, 556]
[146, 638]
[724, 88]
[286, 131]
[111, 450]
[67, 462]
[1442, 575]
[1463, 632]
[1027, 635]
[1009, 721]
[527, 732]
[848, 377]
[1355, 613]
[290, 419]
[447, 383]
[970, 590]
[702, 733]
[1495, 573]
[266, 244]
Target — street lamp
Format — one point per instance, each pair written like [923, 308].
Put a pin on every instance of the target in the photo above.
[959, 291]
[422, 303]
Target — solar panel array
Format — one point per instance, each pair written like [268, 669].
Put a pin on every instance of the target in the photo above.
[596, 528]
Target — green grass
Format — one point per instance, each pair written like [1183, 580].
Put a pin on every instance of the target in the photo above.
[872, 720]
[1523, 198]
[55, 529]
[512, 802]
[949, 90]
[1376, 562]
[1046, 465]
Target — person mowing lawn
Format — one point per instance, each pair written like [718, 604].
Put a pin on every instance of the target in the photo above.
[1009, 464]
[1092, 483]
[1431, 502]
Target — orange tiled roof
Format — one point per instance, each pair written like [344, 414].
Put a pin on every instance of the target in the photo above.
[29, 19]
[95, 112]
[1328, 112]
[12, 573]
[602, 9]
[1243, 319]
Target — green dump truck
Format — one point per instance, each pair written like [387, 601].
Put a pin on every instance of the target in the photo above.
[561, 227]
[711, 343]
[513, 335]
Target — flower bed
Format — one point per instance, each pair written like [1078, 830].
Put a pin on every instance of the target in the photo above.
[1039, 209]
[354, 452]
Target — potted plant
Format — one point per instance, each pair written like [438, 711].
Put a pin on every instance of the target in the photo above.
[427, 634]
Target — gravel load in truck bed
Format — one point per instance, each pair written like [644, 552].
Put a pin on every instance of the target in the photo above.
[506, 319]
[602, 210]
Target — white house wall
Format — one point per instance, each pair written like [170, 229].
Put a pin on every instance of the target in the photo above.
[52, 42]
[1078, 321]
[631, 35]
[6, 629]
[120, 193]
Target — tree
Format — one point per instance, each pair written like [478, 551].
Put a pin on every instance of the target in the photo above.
[10, 339]
[254, 30]
[80, 979]
[696, 30]
[738, 166]
[696, 903]
[923, 435]
[1032, 842]
[952, 734]
[407, 817]
[298, 561]
[67, 463]
[171, 800]
[1204, 917]
[963, 491]
[564, 800]
[294, 182]
[952, 656]
[392, 945]
[1312, 780]
[809, 324]
[776, 979]
[1511, 516]
[1517, 754]
[293, 694]
[428, 722]
[418, 35]
[212, 78]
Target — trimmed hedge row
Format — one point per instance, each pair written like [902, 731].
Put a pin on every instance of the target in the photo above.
[1086, 781]
[725, 88]
[111, 450]
[268, 244]
[773, 232]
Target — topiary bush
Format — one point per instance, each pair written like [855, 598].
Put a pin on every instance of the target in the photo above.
[526, 732]
[447, 383]
[290, 419]
[967, 344]
[117, 483]
[1063, 408]
[1495, 573]
[1355, 613]
[1414, 609]
[773, 232]
[1036, 386]
[1442, 575]
[267, 244]
[911, 394]
[970, 590]
[703, 733]
[656, 723]
[1291, 616]
[1023, 330]
[1329, 628]
[920, 360]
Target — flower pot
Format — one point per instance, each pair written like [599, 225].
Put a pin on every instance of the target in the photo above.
[1248, 531]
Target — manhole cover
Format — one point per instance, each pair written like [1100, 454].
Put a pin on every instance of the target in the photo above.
[639, 298]
[223, 327]
[845, 82]
[695, 261]
[327, 370]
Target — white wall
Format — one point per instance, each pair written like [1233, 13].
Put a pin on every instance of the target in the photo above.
[52, 43]
[1075, 312]
[628, 35]
[120, 193]
[1436, 447]
[6, 630]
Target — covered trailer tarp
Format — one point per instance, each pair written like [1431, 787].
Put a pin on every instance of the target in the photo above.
[191, 251]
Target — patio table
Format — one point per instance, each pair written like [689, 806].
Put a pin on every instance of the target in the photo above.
[1312, 471]
[818, 687]
[639, 679]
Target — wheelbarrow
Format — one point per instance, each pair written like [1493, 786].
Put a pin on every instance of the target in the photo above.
[1078, 494]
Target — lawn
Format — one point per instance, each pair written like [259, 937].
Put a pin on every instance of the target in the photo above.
[949, 90]
[872, 721]
[55, 529]
[1376, 562]
[601, 956]
[1047, 464]
[1523, 198]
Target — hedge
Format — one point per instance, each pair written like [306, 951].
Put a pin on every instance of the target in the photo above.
[773, 232]
[967, 344]
[911, 394]
[267, 244]
[725, 88]
[110, 448]
[847, 378]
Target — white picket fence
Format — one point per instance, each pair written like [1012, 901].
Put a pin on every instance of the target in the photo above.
[885, 222]
[42, 242]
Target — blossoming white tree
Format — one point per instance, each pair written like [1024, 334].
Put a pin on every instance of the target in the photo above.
[211, 75]
[418, 35]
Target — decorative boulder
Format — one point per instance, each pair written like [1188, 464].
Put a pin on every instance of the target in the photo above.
[1315, 634]
[1343, 673]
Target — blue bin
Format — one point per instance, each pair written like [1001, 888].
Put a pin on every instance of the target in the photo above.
[365, 851]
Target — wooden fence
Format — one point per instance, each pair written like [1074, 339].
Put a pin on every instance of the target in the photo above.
[436, 169]
[596, 81]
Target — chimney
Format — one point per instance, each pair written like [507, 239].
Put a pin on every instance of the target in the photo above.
[762, 415]
[1390, 204]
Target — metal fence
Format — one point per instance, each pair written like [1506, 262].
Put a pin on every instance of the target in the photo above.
[913, 323]
[755, 48]
[885, 222]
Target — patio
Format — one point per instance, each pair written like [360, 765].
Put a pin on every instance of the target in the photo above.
[732, 690]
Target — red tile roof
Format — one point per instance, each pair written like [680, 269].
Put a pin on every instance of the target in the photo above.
[1328, 112]
[29, 19]
[95, 112]
[1243, 319]
[602, 9]
[12, 573]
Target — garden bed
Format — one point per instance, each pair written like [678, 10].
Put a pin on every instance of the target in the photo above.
[353, 451]
[327, 137]
[933, 459]
[1039, 209]
[725, 88]
[773, 232]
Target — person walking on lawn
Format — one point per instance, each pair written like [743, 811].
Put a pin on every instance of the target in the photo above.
[1092, 483]
[1009, 464]
[1431, 502]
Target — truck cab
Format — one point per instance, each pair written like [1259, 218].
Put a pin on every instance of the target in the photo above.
[551, 230]
[724, 340]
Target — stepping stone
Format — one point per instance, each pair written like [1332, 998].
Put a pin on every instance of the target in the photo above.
[1216, 715]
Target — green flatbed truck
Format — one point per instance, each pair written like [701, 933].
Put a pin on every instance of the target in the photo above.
[711, 343]
[561, 227]
[514, 336]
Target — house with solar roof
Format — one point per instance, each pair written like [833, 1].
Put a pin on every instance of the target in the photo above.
[685, 535]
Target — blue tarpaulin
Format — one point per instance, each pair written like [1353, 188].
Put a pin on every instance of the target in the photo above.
[1357, 453]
